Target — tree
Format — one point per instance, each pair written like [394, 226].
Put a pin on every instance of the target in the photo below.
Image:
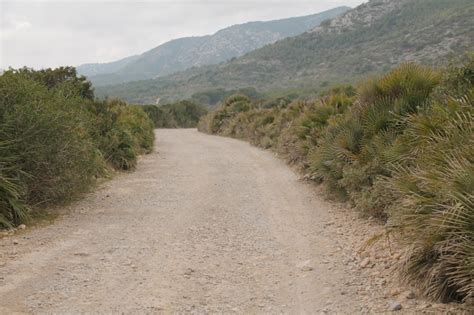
[59, 78]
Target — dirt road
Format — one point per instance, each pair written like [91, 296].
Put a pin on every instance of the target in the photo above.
[205, 224]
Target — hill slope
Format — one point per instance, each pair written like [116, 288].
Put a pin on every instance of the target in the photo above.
[371, 38]
[183, 53]
[92, 69]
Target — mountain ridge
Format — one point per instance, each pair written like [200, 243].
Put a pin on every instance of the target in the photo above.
[183, 53]
[372, 38]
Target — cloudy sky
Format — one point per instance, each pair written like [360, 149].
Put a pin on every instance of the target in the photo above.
[42, 33]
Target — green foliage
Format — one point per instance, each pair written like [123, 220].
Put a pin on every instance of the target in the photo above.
[12, 208]
[353, 150]
[62, 78]
[183, 114]
[436, 201]
[56, 140]
[121, 132]
[48, 137]
[400, 149]
[433, 183]
[314, 118]
[212, 97]
[217, 121]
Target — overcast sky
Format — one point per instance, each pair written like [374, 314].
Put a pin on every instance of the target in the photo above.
[43, 33]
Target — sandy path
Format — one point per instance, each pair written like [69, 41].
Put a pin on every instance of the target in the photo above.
[205, 224]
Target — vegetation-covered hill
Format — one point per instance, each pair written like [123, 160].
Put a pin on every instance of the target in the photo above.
[92, 69]
[371, 38]
[184, 53]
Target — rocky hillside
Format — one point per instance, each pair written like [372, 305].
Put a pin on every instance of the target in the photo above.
[184, 53]
[372, 38]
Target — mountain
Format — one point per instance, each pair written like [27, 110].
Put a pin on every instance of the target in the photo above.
[184, 53]
[91, 69]
[371, 38]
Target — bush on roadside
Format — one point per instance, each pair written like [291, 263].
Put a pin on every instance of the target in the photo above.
[433, 184]
[12, 208]
[353, 149]
[56, 141]
[183, 114]
[121, 132]
[401, 149]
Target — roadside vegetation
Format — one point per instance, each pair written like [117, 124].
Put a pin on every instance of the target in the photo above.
[182, 114]
[56, 140]
[399, 148]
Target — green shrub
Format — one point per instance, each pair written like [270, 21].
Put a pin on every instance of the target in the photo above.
[219, 120]
[436, 200]
[309, 120]
[156, 114]
[183, 114]
[55, 140]
[48, 136]
[121, 132]
[12, 206]
[401, 149]
[433, 182]
[353, 150]
[62, 78]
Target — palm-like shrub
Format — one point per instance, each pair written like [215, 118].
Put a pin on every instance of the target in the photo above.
[237, 103]
[436, 205]
[401, 150]
[337, 148]
[352, 153]
[12, 206]
[238, 126]
[217, 122]
[309, 125]
[261, 129]
[433, 181]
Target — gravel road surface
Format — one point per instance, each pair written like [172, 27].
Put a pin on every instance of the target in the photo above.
[204, 225]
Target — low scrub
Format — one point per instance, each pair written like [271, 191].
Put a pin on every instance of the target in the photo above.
[183, 114]
[56, 140]
[399, 148]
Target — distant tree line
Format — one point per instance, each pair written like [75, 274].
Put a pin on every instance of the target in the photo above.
[182, 114]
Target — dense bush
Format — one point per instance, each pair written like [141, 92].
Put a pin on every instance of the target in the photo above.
[183, 114]
[121, 132]
[433, 184]
[353, 150]
[212, 97]
[56, 141]
[400, 149]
